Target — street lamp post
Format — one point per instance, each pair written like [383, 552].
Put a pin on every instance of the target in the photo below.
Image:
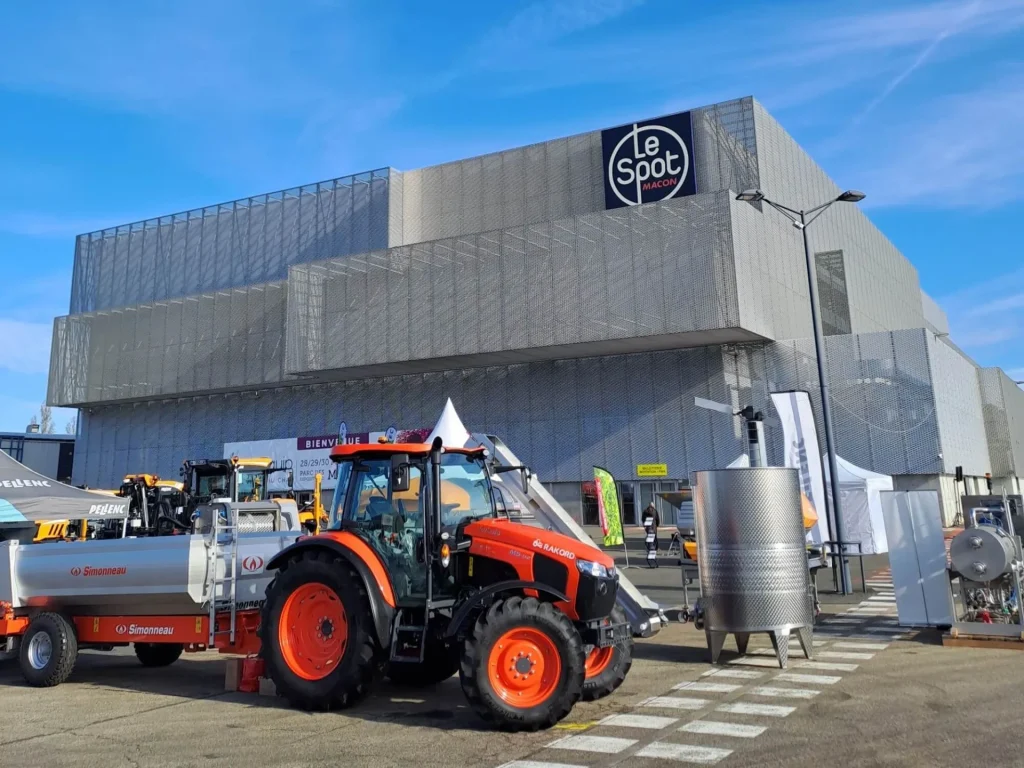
[801, 221]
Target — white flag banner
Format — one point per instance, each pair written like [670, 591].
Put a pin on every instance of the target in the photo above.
[801, 452]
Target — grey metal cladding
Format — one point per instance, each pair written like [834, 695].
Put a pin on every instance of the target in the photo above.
[554, 179]
[651, 270]
[242, 242]
[1003, 403]
[212, 341]
[883, 287]
[956, 386]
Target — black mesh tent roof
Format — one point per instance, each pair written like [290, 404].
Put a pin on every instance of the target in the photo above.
[27, 497]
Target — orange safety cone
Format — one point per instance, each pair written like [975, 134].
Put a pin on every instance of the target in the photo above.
[252, 671]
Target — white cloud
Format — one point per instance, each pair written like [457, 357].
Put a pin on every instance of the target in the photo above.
[988, 319]
[962, 150]
[25, 347]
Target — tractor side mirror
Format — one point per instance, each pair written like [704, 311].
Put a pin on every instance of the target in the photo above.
[400, 481]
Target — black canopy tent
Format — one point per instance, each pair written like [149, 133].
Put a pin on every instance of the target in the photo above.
[26, 498]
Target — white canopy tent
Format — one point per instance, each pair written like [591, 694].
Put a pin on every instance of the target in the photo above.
[861, 504]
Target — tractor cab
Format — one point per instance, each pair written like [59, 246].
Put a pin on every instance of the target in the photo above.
[236, 479]
[383, 495]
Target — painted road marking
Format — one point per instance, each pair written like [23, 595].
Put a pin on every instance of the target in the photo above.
[707, 687]
[825, 665]
[537, 764]
[607, 744]
[674, 702]
[736, 674]
[854, 636]
[684, 753]
[817, 643]
[796, 677]
[882, 599]
[754, 661]
[846, 655]
[647, 722]
[715, 728]
[861, 646]
[784, 693]
[768, 710]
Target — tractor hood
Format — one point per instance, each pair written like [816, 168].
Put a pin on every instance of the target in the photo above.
[532, 539]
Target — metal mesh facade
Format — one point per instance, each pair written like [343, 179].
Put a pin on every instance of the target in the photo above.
[1003, 403]
[651, 270]
[555, 179]
[957, 392]
[229, 245]
[213, 341]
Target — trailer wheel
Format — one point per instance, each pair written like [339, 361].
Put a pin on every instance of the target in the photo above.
[317, 635]
[49, 649]
[522, 666]
[158, 654]
[606, 668]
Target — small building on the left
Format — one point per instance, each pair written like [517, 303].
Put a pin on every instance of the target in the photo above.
[47, 454]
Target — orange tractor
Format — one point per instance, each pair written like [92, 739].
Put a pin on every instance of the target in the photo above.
[419, 577]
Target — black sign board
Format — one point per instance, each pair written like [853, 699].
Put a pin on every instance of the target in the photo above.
[648, 161]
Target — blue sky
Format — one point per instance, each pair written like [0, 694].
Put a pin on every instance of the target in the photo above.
[118, 111]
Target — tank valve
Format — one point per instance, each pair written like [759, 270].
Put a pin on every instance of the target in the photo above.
[980, 568]
[976, 542]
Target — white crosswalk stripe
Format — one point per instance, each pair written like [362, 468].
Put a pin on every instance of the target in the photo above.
[834, 666]
[846, 655]
[843, 620]
[538, 764]
[860, 646]
[796, 677]
[684, 753]
[768, 710]
[755, 661]
[735, 674]
[645, 722]
[586, 743]
[715, 728]
[882, 599]
[784, 693]
[707, 687]
[674, 702]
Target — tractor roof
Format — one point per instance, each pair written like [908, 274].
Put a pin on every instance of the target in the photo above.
[384, 450]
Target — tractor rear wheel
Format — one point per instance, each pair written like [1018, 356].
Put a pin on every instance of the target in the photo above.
[316, 633]
[522, 666]
[49, 649]
[606, 668]
[158, 654]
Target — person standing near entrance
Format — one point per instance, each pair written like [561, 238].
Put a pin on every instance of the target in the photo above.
[650, 520]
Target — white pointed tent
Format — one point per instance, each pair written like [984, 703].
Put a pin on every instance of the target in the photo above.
[860, 502]
[449, 428]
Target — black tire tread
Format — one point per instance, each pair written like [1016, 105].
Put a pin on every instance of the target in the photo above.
[615, 673]
[504, 614]
[65, 649]
[158, 654]
[368, 666]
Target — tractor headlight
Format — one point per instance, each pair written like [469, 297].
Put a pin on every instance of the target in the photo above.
[594, 569]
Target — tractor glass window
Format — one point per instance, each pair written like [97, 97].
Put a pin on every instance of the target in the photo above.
[212, 486]
[250, 486]
[465, 489]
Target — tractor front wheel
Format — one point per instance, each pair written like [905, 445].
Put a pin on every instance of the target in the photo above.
[522, 666]
[316, 633]
[606, 668]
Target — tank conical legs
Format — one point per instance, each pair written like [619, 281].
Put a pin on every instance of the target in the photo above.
[803, 634]
[780, 642]
[742, 641]
[716, 640]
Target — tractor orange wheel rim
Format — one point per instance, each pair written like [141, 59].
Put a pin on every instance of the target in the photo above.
[524, 667]
[313, 631]
[598, 661]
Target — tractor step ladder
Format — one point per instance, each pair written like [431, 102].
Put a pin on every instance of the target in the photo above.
[408, 642]
[222, 572]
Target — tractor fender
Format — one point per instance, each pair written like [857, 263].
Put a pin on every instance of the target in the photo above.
[383, 613]
[485, 596]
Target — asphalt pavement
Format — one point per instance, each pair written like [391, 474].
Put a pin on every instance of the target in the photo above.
[874, 695]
